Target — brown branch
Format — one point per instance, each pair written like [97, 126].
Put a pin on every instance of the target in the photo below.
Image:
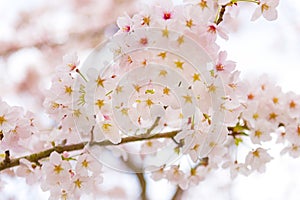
[43, 154]
[7, 157]
[143, 185]
[178, 194]
[221, 14]
[74, 147]
[137, 138]
[141, 179]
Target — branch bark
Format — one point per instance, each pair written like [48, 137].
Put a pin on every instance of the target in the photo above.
[143, 185]
[178, 194]
[221, 14]
[35, 157]
[141, 179]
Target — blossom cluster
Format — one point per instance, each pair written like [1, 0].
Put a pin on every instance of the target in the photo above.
[162, 82]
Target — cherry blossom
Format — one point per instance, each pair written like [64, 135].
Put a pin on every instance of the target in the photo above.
[30, 171]
[257, 159]
[267, 8]
[160, 86]
[236, 168]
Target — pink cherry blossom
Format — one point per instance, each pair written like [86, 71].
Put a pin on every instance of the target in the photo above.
[57, 173]
[236, 168]
[8, 116]
[257, 159]
[86, 164]
[30, 171]
[292, 149]
[223, 65]
[267, 8]
[158, 174]
[125, 24]
[175, 175]
[163, 63]
[70, 62]
[194, 178]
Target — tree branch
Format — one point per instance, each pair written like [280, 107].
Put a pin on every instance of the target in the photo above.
[143, 185]
[74, 147]
[219, 19]
[140, 177]
[178, 194]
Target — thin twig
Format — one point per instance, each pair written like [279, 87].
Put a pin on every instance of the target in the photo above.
[140, 176]
[7, 157]
[155, 124]
[143, 185]
[221, 14]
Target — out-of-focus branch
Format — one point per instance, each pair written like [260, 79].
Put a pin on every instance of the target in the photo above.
[143, 185]
[178, 194]
[141, 179]
[88, 36]
[93, 36]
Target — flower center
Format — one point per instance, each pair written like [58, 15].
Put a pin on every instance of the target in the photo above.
[264, 7]
[2, 120]
[167, 15]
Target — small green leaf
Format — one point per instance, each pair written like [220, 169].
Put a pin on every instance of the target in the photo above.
[177, 150]
[237, 141]
[150, 91]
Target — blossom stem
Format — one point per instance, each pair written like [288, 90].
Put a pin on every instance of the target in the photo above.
[220, 14]
[140, 176]
[143, 185]
[35, 157]
[251, 1]
[82, 76]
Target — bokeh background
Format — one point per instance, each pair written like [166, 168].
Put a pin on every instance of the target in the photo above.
[35, 34]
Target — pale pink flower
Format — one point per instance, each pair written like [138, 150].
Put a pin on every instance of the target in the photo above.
[8, 116]
[281, 135]
[267, 8]
[158, 174]
[70, 62]
[293, 150]
[293, 132]
[61, 193]
[125, 24]
[150, 147]
[86, 164]
[192, 142]
[57, 172]
[165, 10]
[143, 18]
[13, 139]
[29, 170]
[257, 159]
[110, 130]
[210, 31]
[223, 65]
[292, 104]
[236, 168]
[175, 175]
[195, 176]
[79, 185]
[261, 132]
[62, 89]
[216, 156]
